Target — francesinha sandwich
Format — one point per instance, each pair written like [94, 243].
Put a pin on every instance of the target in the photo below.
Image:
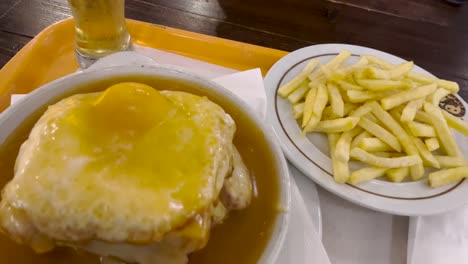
[130, 173]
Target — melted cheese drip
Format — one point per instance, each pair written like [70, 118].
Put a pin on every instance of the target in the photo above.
[131, 106]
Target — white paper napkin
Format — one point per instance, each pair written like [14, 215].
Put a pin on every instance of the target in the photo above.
[248, 85]
[439, 239]
[207, 70]
[302, 244]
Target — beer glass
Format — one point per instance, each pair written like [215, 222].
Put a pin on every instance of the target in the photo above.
[100, 29]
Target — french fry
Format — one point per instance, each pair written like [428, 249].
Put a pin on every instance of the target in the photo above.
[382, 63]
[366, 174]
[449, 85]
[361, 110]
[349, 107]
[360, 137]
[444, 177]
[316, 77]
[338, 60]
[432, 144]
[401, 70]
[455, 123]
[377, 73]
[380, 133]
[360, 73]
[328, 112]
[320, 101]
[348, 86]
[423, 117]
[335, 99]
[374, 145]
[399, 109]
[321, 79]
[406, 96]
[344, 72]
[397, 174]
[412, 83]
[299, 93]
[340, 168]
[298, 110]
[344, 144]
[438, 95]
[313, 122]
[409, 112]
[332, 141]
[308, 105]
[332, 64]
[424, 79]
[327, 72]
[382, 85]
[337, 125]
[450, 162]
[389, 121]
[372, 118]
[374, 160]
[417, 171]
[387, 154]
[289, 87]
[425, 154]
[356, 96]
[421, 130]
[363, 61]
[443, 131]
[345, 97]
[340, 74]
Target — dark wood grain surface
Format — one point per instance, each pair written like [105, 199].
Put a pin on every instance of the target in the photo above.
[433, 33]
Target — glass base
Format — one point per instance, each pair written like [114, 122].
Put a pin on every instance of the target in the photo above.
[85, 62]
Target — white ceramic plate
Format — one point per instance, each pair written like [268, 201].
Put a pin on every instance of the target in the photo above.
[310, 154]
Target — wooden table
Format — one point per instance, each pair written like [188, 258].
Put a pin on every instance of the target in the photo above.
[431, 32]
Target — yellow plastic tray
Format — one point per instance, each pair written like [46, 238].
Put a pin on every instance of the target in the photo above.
[50, 55]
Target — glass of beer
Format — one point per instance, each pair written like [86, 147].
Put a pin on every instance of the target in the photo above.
[100, 29]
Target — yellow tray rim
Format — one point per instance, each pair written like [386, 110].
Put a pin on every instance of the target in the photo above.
[50, 54]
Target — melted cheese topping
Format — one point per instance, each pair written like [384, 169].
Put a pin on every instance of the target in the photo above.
[129, 164]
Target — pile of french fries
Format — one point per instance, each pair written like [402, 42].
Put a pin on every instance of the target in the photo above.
[382, 114]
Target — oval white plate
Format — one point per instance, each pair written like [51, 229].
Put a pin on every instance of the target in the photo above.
[310, 154]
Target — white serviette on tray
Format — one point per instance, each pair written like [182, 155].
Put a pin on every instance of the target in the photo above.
[439, 239]
[302, 244]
